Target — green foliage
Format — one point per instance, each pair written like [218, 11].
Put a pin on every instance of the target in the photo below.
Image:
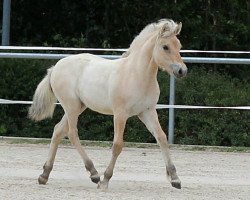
[18, 82]
[2, 129]
[222, 25]
[200, 87]
[214, 126]
[59, 40]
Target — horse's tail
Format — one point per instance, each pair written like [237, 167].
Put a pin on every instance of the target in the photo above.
[43, 100]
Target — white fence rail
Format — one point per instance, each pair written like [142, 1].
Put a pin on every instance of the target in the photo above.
[171, 105]
[36, 48]
[158, 106]
[245, 61]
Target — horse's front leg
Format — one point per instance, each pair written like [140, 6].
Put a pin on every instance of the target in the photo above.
[119, 125]
[150, 119]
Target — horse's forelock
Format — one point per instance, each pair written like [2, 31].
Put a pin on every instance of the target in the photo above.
[165, 26]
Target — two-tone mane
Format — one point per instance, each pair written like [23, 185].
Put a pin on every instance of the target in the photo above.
[168, 25]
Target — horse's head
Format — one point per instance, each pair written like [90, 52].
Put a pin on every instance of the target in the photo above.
[166, 52]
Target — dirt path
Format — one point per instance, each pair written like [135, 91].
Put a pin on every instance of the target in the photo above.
[139, 174]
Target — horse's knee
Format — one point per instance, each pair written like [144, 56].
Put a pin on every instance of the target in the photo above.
[161, 138]
[117, 148]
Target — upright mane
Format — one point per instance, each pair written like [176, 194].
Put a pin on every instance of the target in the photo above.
[168, 25]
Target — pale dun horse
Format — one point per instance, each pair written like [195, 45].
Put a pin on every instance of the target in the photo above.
[123, 88]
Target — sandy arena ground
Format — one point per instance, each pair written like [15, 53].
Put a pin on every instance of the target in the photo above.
[139, 174]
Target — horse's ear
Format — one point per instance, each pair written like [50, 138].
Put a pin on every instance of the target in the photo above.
[165, 28]
[178, 28]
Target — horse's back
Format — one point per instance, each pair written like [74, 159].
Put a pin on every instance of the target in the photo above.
[79, 62]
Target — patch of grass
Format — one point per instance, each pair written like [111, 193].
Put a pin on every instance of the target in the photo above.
[214, 148]
[108, 144]
[25, 141]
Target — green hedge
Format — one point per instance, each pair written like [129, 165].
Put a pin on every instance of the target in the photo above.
[19, 79]
[213, 126]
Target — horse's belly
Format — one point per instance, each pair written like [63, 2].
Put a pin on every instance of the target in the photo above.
[96, 98]
[94, 92]
[98, 105]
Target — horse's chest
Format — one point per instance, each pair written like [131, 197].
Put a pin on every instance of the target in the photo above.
[145, 102]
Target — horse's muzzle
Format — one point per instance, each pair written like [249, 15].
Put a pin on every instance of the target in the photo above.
[179, 70]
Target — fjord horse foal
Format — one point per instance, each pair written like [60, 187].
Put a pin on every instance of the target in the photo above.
[123, 88]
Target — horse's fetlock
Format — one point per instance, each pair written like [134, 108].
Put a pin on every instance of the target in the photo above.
[47, 167]
[90, 166]
[46, 171]
[108, 173]
[171, 169]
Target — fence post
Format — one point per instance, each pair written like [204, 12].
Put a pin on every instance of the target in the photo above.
[6, 23]
[171, 110]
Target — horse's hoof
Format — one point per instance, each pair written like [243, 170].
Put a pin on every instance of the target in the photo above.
[102, 185]
[42, 180]
[176, 184]
[95, 178]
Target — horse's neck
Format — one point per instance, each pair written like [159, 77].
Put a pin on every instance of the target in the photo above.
[143, 62]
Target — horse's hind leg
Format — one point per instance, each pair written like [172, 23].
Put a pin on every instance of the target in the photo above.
[73, 112]
[60, 131]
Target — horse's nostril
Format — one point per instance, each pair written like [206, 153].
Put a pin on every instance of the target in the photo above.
[180, 72]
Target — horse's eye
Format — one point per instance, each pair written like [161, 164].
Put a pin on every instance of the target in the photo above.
[165, 47]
